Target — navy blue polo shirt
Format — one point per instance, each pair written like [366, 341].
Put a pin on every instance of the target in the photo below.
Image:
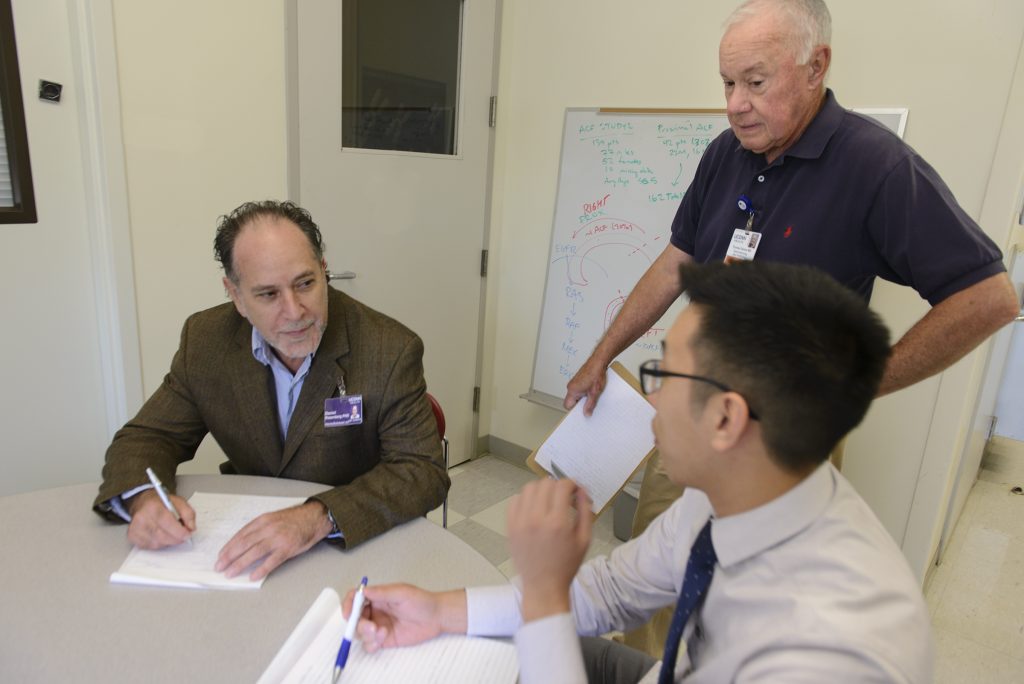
[850, 198]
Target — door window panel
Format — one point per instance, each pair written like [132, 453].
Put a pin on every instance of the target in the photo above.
[400, 74]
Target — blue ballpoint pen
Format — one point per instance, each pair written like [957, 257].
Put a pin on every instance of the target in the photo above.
[350, 630]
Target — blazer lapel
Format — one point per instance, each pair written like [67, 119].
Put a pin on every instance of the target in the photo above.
[322, 381]
[255, 403]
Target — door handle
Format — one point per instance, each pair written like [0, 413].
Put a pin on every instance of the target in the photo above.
[344, 275]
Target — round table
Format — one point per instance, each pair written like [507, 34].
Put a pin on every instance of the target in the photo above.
[62, 620]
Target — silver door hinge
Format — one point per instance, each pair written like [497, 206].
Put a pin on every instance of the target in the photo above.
[992, 428]
[492, 114]
[476, 400]
[483, 263]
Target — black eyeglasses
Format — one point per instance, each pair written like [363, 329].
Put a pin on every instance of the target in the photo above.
[651, 375]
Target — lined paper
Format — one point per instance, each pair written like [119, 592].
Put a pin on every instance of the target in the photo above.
[190, 565]
[602, 451]
[307, 656]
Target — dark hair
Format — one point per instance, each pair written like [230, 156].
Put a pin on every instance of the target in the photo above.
[805, 352]
[229, 226]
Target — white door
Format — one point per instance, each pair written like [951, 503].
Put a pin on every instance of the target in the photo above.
[69, 368]
[1006, 448]
[999, 396]
[410, 225]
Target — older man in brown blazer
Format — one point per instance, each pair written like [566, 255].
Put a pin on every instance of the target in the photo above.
[257, 374]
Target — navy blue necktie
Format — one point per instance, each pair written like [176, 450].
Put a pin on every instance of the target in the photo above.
[699, 569]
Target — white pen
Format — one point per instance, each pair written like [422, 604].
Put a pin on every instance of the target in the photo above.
[162, 493]
[350, 631]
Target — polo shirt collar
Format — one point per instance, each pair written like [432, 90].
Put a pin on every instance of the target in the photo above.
[815, 138]
[745, 535]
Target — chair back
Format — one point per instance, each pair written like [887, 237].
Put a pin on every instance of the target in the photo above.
[435, 406]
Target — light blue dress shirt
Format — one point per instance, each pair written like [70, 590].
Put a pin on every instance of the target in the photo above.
[287, 385]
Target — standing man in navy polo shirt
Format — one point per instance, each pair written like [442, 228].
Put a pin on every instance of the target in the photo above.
[818, 185]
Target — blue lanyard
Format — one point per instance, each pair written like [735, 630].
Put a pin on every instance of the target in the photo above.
[746, 205]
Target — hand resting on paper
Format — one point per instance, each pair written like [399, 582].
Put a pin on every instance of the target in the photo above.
[549, 530]
[155, 527]
[274, 537]
[588, 382]
[403, 615]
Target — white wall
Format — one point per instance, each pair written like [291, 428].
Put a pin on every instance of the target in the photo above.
[68, 362]
[950, 62]
[203, 108]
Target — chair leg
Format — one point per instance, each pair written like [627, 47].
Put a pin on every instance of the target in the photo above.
[444, 506]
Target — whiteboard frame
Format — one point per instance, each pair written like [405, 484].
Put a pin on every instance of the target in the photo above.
[883, 114]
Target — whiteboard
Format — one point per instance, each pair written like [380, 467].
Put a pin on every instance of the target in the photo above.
[621, 178]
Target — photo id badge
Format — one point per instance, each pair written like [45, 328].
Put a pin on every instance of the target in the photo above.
[743, 246]
[344, 410]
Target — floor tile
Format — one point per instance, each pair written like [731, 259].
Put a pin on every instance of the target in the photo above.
[505, 472]
[959, 660]
[435, 516]
[495, 517]
[490, 544]
[977, 593]
[936, 584]
[999, 508]
[508, 569]
[984, 597]
[474, 491]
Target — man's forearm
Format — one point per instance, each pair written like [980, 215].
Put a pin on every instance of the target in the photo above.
[950, 330]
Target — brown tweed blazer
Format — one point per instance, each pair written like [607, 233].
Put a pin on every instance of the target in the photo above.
[384, 472]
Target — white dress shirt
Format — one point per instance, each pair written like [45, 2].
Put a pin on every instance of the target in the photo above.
[808, 588]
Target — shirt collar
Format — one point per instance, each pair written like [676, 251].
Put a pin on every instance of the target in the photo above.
[744, 535]
[262, 352]
[812, 142]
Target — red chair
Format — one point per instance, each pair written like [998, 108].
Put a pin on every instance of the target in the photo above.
[435, 406]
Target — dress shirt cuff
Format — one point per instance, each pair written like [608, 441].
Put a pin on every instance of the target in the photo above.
[492, 611]
[117, 503]
[549, 651]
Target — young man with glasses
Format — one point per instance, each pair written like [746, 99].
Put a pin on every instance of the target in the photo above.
[778, 570]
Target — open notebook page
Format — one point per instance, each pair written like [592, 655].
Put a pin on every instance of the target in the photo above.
[307, 656]
[602, 451]
[190, 565]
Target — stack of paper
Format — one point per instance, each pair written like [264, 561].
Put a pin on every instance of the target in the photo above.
[308, 655]
[190, 565]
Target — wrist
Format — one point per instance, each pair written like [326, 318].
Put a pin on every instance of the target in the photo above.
[542, 602]
[325, 524]
[452, 611]
[133, 503]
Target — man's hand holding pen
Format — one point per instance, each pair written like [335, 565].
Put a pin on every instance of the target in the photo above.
[154, 526]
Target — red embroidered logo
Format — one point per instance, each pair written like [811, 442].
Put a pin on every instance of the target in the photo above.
[789, 231]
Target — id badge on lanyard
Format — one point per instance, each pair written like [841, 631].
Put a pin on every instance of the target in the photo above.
[344, 409]
[745, 241]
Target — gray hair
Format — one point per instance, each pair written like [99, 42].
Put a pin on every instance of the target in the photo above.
[230, 225]
[808, 22]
